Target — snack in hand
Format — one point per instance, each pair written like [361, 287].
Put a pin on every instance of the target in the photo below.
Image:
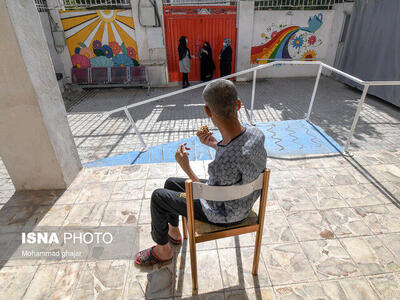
[203, 129]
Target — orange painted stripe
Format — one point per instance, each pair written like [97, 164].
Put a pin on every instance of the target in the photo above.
[80, 37]
[126, 38]
[99, 33]
[111, 37]
[72, 22]
[126, 20]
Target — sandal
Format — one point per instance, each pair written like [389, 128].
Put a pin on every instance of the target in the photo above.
[174, 241]
[148, 258]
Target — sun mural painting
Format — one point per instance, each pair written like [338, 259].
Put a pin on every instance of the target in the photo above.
[288, 42]
[100, 38]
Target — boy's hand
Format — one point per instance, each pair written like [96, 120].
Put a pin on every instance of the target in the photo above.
[182, 157]
[208, 139]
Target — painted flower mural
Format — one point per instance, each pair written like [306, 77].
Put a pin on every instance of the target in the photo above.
[312, 39]
[298, 42]
[107, 51]
[131, 53]
[309, 55]
[88, 52]
[122, 60]
[97, 44]
[288, 41]
[80, 61]
[115, 47]
[100, 38]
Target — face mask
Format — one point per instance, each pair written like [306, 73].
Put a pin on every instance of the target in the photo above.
[186, 41]
[224, 44]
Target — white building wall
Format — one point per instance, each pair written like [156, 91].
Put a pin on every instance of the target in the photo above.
[262, 24]
[151, 46]
[55, 57]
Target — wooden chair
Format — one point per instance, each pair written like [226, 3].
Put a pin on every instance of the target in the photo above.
[202, 232]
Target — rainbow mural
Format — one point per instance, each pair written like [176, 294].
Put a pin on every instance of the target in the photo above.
[100, 38]
[277, 46]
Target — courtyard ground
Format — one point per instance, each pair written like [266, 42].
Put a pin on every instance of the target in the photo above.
[332, 228]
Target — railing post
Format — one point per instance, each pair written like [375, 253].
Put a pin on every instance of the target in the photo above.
[128, 115]
[356, 117]
[314, 93]
[253, 91]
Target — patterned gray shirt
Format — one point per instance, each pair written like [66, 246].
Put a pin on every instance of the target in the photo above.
[239, 162]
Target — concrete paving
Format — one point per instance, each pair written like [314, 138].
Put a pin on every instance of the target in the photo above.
[98, 136]
[332, 231]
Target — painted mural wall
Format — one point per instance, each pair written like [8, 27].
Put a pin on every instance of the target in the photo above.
[299, 35]
[100, 38]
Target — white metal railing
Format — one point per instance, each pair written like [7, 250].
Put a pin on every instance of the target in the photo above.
[295, 4]
[84, 4]
[199, 2]
[41, 5]
[254, 70]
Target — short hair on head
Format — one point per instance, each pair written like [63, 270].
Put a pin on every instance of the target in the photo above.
[221, 97]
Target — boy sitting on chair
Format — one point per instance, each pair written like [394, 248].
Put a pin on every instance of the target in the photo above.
[240, 157]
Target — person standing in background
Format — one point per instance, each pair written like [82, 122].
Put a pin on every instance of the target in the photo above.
[225, 58]
[207, 65]
[184, 61]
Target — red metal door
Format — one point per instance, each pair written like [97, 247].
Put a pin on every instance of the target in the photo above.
[198, 24]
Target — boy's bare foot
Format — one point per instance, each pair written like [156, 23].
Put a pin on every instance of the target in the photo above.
[163, 252]
[174, 232]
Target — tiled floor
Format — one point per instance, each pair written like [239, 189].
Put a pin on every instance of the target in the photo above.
[332, 231]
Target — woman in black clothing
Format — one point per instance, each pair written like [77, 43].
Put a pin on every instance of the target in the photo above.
[207, 65]
[184, 61]
[225, 58]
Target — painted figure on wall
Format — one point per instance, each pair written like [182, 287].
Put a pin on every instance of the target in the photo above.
[288, 39]
[100, 38]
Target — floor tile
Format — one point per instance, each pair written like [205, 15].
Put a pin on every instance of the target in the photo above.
[243, 240]
[329, 259]
[392, 242]
[311, 290]
[103, 279]
[309, 178]
[346, 222]
[134, 172]
[338, 176]
[349, 289]
[121, 213]
[95, 192]
[266, 293]
[88, 214]
[380, 218]
[103, 174]
[326, 197]
[15, 280]
[287, 264]
[56, 281]
[162, 171]
[276, 229]
[357, 195]
[236, 267]
[293, 199]
[370, 255]
[387, 285]
[309, 225]
[209, 275]
[127, 190]
[151, 185]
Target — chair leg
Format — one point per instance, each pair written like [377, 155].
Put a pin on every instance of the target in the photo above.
[184, 226]
[193, 265]
[257, 250]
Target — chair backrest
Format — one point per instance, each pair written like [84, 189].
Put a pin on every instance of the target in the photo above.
[227, 193]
